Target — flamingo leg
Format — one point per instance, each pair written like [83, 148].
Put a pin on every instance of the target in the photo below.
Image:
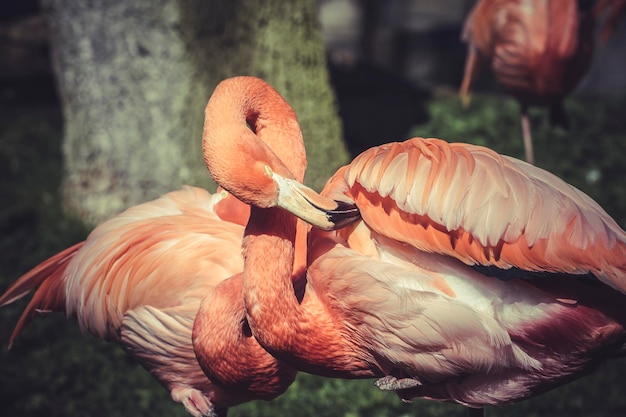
[528, 138]
[471, 72]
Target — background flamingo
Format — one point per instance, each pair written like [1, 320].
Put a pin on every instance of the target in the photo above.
[139, 280]
[473, 277]
[538, 51]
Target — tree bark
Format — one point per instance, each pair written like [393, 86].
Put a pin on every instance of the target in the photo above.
[134, 78]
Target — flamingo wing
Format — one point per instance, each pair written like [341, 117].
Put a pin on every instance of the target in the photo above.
[164, 253]
[483, 208]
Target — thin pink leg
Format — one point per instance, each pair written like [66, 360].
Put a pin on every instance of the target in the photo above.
[528, 138]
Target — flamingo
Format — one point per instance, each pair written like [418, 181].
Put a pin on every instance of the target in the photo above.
[469, 277]
[162, 279]
[538, 51]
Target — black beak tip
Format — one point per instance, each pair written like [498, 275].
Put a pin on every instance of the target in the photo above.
[344, 214]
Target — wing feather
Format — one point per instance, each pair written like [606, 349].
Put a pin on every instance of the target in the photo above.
[484, 208]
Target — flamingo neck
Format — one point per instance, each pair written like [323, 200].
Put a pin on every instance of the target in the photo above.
[299, 330]
[229, 354]
[268, 250]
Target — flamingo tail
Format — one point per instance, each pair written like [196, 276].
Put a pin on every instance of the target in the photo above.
[47, 279]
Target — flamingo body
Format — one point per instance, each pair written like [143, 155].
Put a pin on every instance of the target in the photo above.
[415, 292]
[420, 275]
[140, 278]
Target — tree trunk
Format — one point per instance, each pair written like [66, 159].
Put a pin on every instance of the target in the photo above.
[134, 79]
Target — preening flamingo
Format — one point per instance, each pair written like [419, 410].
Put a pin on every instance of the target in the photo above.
[538, 51]
[472, 277]
[239, 107]
[139, 280]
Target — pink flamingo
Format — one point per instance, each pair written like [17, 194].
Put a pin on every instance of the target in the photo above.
[538, 51]
[472, 277]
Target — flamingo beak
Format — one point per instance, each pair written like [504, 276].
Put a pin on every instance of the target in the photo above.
[321, 212]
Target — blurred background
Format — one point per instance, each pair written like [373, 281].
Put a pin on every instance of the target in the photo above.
[395, 68]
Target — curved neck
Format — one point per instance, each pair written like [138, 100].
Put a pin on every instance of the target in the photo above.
[249, 127]
[228, 353]
[268, 251]
[249, 105]
[300, 331]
